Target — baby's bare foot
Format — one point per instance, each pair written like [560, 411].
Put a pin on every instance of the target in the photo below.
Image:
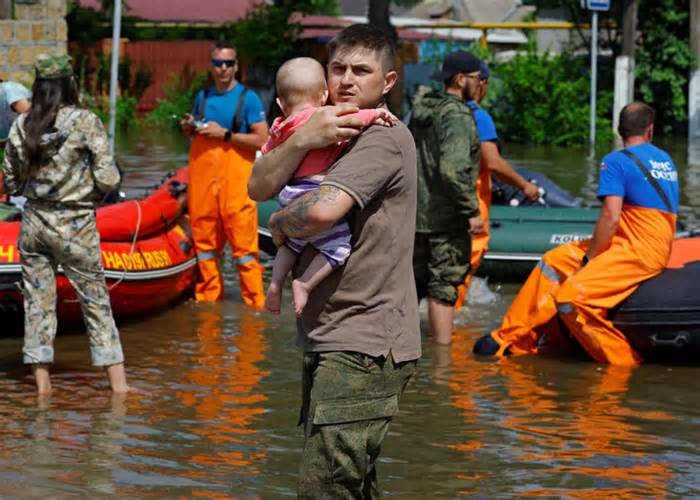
[273, 299]
[300, 294]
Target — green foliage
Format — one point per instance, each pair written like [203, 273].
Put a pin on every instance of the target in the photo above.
[664, 60]
[180, 93]
[265, 35]
[133, 83]
[84, 24]
[268, 34]
[125, 109]
[663, 55]
[544, 99]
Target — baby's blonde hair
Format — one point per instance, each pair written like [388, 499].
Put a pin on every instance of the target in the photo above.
[301, 81]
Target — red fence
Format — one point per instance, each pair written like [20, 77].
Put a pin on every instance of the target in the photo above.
[164, 59]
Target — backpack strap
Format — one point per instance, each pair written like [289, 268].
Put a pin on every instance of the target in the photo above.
[202, 105]
[654, 183]
[237, 121]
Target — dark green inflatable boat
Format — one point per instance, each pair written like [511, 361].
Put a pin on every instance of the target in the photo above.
[519, 236]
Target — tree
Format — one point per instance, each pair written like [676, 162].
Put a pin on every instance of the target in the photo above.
[268, 33]
[379, 13]
[662, 53]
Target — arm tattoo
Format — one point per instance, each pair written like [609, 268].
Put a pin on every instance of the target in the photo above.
[294, 220]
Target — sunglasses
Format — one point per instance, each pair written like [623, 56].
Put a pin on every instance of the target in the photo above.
[220, 62]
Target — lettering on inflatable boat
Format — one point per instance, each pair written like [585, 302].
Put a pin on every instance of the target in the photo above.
[138, 261]
[7, 253]
[560, 239]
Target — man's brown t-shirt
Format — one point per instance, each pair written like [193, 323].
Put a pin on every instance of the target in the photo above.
[369, 305]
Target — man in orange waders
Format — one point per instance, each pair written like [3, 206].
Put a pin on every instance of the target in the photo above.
[581, 281]
[491, 163]
[228, 126]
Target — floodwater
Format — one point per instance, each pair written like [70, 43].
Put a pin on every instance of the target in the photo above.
[218, 395]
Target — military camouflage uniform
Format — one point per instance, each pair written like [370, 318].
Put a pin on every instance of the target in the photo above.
[449, 153]
[349, 399]
[58, 228]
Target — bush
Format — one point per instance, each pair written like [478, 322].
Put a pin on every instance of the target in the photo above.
[180, 92]
[544, 99]
[126, 109]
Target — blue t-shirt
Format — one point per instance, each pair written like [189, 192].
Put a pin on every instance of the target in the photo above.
[620, 176]
[221, 108]
[484, 123]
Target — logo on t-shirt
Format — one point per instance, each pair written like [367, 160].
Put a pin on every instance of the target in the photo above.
[662, 170]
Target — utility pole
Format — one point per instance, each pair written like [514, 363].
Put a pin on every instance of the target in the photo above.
[594, 6]
[113, 81]
[594, 79]
[694, 87]
[624, 63]
[629, 28]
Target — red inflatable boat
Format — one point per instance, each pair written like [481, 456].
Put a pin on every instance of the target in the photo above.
[146, 249]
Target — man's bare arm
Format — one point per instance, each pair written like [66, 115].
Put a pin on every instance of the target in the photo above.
[326, 126]
[311, 213]
[498, 166]
[273, 170]
[255, 139]
[606, 226]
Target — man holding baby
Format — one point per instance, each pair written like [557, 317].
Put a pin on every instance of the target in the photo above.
[359, 327]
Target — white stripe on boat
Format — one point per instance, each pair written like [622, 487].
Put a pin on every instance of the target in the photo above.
[165, 272]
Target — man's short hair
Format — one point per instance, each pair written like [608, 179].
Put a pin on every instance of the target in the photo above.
[221, 46]
[635, 118]
[368, 37]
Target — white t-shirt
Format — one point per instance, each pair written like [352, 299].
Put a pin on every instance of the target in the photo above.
[10, 93]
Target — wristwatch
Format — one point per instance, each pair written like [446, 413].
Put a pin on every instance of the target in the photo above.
[227, 136]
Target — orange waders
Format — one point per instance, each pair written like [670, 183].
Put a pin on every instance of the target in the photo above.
[221, 210]
[480, 242]
[582, 296]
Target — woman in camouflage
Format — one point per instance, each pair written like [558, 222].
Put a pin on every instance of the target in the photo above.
[58, 157]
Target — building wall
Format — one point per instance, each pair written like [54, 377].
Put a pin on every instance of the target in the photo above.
[37, 26]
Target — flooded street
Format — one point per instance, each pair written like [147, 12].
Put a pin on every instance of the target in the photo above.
[219, 391]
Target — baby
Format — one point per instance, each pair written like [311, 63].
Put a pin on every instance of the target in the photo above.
[301, 87]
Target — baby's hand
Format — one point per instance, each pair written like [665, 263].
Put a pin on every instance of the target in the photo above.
[385, 118]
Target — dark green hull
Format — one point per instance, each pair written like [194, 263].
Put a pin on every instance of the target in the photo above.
[519, 236]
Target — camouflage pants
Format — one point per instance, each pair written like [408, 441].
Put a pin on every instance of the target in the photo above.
[441, 263]
[348, 402]
[67, 237]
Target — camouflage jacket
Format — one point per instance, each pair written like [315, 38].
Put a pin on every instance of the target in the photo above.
[76, 168]
[449, 153]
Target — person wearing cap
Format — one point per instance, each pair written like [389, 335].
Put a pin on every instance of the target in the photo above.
[492, 163]
[58, 158]
[448, 150]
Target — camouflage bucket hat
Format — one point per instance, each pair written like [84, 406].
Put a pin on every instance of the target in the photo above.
[49, 66]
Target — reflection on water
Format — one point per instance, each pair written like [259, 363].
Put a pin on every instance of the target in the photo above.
[216, 411]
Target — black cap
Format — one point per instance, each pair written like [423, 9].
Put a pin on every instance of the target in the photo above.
[484, 71]
[457, 62]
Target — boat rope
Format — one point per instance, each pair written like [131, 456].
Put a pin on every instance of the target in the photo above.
[131, 253]
[133, 244]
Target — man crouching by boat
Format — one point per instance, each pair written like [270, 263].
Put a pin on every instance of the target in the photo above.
[632, 241]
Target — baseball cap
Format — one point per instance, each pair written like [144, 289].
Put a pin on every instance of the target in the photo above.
[457, 62]
[484, 71]
[49, 66]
